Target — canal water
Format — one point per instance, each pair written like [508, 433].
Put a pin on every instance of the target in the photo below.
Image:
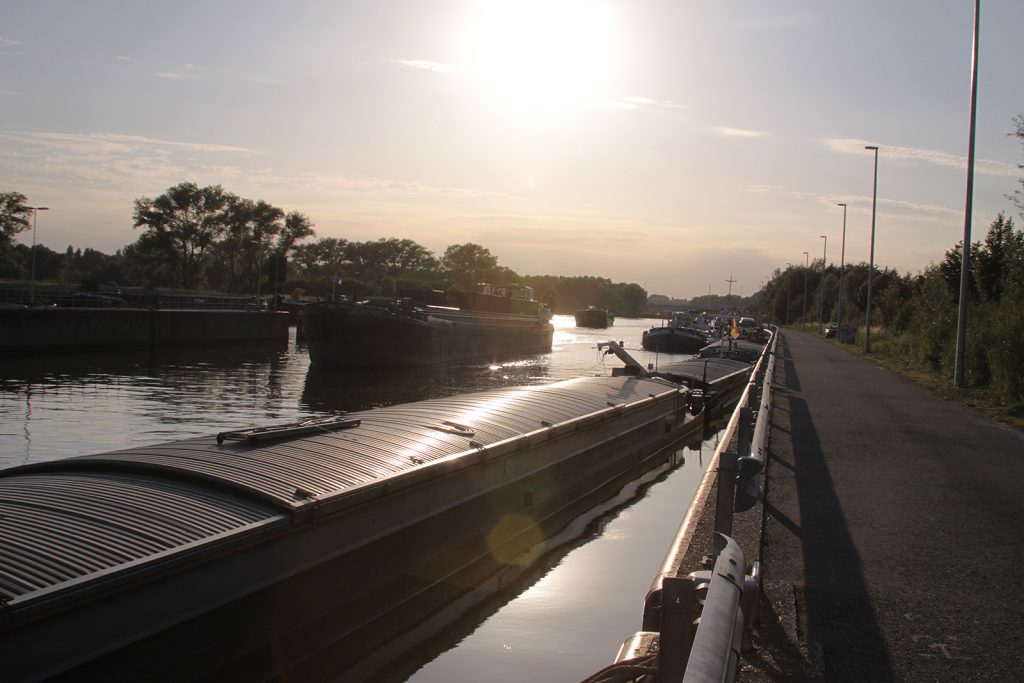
[563, 621]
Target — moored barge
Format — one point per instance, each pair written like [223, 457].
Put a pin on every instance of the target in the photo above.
[598, 318]
[407, 331]
[249, 554]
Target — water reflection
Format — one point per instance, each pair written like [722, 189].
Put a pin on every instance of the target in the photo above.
[566, 615]
[57, 406]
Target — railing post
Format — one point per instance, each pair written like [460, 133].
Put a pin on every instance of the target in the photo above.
[725, 499]
[678, 614]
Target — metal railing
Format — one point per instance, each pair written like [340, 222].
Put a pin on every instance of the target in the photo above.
[696, 625]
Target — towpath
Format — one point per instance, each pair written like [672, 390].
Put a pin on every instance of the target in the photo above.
[893, 539]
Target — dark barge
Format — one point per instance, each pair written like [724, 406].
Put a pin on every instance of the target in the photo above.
[305, 552]
[404, 332]
[598, 318]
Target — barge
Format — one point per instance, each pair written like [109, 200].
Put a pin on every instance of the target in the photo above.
[598, 318]
[407, 331]
[680, 335]
[305, 551]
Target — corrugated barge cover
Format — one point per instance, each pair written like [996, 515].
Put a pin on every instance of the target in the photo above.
[698, 368]
[59, 527]
[388, 441]
[64, 520]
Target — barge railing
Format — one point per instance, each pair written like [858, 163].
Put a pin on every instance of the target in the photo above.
[696, 625]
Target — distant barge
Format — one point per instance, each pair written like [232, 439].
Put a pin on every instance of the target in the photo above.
[302, 549]
[598, 318]
[417, 331]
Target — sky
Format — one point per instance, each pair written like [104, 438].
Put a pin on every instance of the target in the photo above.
[670, 143]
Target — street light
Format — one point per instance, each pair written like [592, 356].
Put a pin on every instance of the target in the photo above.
[842, 266]
[821, 310]
[871, 262]
[32, 283]
[807, 266]
[789, 288]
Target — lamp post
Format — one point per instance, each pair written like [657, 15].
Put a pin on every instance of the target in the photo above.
[277, 267]
[842, 267]
[821, 310]
[32, 282]
[871, 262]
[807, 266]
[789, 288]
[961, 321]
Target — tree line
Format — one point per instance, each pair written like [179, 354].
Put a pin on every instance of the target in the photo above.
[205, 238]
[915, 316]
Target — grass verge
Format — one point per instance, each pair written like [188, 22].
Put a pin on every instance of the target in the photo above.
[978, 398]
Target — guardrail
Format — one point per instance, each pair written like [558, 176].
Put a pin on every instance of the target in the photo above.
[695, 625]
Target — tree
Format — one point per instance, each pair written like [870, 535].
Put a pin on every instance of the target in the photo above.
[468, 264]
[185, 221]
[14, 215]
[14, 218]
[1018, 195]
[991, 263]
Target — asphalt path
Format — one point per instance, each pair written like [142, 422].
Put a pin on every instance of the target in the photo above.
[893, 540]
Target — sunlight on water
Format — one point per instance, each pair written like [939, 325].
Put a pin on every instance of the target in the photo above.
[572, 620]
[59, 406]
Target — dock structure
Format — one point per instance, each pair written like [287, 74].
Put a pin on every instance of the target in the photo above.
[39, 331]
[306, 548]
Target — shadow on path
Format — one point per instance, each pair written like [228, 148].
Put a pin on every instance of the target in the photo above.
[839, 613]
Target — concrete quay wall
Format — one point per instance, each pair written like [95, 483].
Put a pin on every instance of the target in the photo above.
[45, 330]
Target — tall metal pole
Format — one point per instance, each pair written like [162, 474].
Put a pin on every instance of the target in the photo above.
[965, 256]
[842, 267]
[32, 282]
[807, 265]
[277, 267]
[821, 310]
[789, 288]
[871, 262]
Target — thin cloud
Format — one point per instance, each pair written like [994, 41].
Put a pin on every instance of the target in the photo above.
[372, 184]
[426, 65]
[8, 42]
[739, 132]
[638, 103]
[927, 156]
[905, 210]
[112, 142]
[180, 73]
[123, 58]
[7, 92]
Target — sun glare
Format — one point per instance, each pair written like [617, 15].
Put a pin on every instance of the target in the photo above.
[539, 62]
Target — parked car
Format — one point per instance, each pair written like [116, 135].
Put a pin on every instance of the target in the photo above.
[831, 330]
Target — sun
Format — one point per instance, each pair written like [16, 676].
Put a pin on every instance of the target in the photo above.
[541, 61]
